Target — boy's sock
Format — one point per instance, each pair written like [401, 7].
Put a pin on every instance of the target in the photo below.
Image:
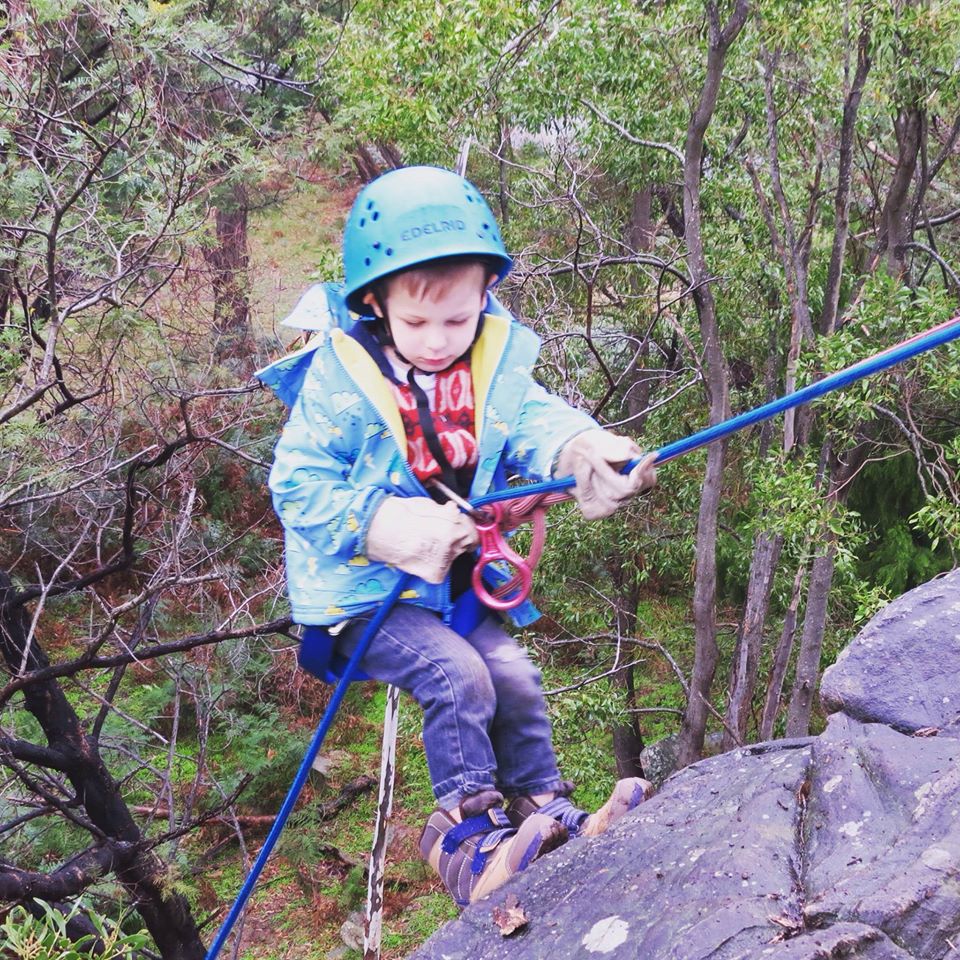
[627, 794]
[475, 849]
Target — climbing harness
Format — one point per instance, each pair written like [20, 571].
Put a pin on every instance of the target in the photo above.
[504, 510]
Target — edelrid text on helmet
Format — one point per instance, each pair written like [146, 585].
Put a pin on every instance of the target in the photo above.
[424, 230]
[411, 216]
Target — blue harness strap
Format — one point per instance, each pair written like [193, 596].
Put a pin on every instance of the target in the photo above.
[318, 649]
[318, 655]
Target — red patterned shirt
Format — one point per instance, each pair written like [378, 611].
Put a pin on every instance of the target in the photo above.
[452, 407]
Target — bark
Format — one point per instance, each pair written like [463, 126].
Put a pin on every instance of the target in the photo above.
[781, 657]
[67, 881]
[839, 474]
[811, 640]
[366, 165]
[636, 383]
[763, 568]
[390, 153]
[167, 915]
[743, 673]
[504, 155]
[706, 653]
[896, 221]
[790, 250]
[363, 160]
[627, 740]
[640, 231]
[841, 201]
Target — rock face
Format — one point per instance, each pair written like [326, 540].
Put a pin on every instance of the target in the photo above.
[843, 845]
[904, 667]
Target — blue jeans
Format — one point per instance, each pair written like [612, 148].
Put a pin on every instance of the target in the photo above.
[485, 721]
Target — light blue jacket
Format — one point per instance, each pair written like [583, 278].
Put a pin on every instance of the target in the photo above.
[343, 450]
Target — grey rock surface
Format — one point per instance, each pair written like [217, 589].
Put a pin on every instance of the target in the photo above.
[661, 758]
[843, 845]
[903, 669]
[883, 834]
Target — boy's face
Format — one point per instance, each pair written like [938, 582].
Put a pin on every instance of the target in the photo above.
[433, 325]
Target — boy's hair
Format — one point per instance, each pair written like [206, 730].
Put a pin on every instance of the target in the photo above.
[432, 278]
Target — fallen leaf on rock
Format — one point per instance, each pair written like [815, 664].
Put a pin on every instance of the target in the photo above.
[510, 917]
[790, 927]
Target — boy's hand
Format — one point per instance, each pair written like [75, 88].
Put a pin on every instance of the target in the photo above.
[419, 536]
[594, 458]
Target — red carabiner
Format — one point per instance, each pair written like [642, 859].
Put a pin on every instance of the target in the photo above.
[493, 546]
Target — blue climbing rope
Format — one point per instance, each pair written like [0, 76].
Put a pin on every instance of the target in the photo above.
[937, 336]
[349, 671]
[944, 333]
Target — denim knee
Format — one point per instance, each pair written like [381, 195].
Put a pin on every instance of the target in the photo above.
[516, 678]
[450, 681]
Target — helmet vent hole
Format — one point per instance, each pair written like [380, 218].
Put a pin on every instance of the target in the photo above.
[369, 204]
[363, 221]
[366, 261]
[389, 251]
[376, 246]
[375, 215]
[486, 226]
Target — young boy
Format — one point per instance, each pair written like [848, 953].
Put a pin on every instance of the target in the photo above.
[434, 381]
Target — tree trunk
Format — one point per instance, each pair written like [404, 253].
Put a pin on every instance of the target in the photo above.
[627, 739]
[811, 640]
[896, 226]
[71, 751]
[841, 202]
[229, 261]
[743, 672]
[693, 728]
[838, 472]
[781, 657]
[504, 154]
[637, 383]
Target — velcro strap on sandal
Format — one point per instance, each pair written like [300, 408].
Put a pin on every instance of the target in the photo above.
[560, 808]
[492, 821]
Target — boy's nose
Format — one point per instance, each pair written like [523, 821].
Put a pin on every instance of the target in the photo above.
[437, 340]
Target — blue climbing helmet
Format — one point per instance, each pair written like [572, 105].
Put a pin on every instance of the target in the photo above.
[412, 215]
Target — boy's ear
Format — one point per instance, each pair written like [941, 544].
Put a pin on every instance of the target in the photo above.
[371, 301]
[491, 280]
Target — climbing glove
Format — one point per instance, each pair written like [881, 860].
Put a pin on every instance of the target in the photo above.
[594, 459]
[419, 536]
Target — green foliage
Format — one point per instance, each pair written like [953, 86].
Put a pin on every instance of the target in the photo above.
[43, 936]
[940, 521]
[426, 916]
[903, 547]
[582, 720]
